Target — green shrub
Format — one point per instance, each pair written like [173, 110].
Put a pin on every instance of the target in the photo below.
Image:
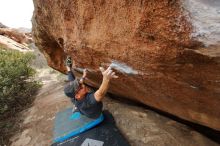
[16, 84]
[17, 87]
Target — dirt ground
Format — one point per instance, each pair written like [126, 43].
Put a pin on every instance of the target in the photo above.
[141, 126]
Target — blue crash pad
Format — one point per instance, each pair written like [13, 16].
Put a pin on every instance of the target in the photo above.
[104, 134]
[68, 124]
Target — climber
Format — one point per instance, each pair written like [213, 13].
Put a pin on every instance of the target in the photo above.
[87, 101]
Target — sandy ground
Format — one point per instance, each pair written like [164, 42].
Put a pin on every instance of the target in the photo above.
[142, 127]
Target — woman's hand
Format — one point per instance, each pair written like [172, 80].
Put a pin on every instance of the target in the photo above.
[108, 73]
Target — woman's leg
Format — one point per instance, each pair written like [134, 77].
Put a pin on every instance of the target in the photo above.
[70, 76]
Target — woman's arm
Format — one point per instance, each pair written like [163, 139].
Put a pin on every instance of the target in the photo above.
[84, 76]
[70, 75]
[107, 76]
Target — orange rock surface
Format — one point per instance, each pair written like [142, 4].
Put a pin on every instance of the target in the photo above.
[147, 42]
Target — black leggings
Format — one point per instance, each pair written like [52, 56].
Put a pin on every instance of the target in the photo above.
[70, 76]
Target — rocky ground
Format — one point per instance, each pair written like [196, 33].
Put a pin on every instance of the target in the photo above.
[141, 126]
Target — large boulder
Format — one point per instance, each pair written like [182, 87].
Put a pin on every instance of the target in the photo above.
[153, 45]
[11, 38]
[16, 35]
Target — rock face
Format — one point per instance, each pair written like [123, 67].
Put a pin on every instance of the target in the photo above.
[16, 35]
[149, 44]
[14, 39]
[8, 43]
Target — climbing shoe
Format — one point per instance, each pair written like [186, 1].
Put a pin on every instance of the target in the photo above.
[68, 61]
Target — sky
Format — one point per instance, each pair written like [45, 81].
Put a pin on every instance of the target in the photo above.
[16, 13]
